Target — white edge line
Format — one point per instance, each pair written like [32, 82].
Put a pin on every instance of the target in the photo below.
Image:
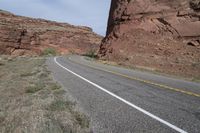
[123, 100]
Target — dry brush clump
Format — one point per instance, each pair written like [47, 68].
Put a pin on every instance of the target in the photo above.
[31, 102]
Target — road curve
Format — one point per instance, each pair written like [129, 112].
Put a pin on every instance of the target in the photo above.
[119, 100]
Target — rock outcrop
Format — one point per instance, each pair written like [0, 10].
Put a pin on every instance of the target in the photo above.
[154, 34]
[22, 35]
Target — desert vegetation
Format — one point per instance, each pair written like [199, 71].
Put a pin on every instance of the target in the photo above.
[91, 53]
[49, 51]
[32, 102]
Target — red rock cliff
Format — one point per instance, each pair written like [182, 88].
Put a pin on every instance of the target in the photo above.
[22, 35]
[154, 34]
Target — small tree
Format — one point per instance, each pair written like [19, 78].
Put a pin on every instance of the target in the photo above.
[49, 52]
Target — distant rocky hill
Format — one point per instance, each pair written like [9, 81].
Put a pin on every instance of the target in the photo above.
[27, 36]
[162, 35]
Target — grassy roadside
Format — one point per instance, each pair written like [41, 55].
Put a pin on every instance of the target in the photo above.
[31, 102]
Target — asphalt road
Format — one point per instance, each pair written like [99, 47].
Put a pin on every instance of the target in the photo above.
[119, 100]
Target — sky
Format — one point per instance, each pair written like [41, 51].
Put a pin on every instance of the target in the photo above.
[91, 13]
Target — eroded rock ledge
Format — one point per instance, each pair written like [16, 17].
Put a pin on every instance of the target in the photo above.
[22, 35]
[163, 35]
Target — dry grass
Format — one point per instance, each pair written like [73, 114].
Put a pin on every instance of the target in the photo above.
[31, 102]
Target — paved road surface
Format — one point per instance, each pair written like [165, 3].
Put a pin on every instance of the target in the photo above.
[119, 100]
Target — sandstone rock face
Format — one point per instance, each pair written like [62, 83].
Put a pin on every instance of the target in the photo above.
[157, 34]
[22, 35]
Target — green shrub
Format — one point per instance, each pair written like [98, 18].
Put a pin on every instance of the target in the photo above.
[49, 51]
[81, 119]
[71, 51]
[55, 86]
[91, 54]
[60, 105]
[28, 74]
[2, 64]
[33, 89]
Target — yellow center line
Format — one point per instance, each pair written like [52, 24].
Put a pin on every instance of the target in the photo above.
[142, 80]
